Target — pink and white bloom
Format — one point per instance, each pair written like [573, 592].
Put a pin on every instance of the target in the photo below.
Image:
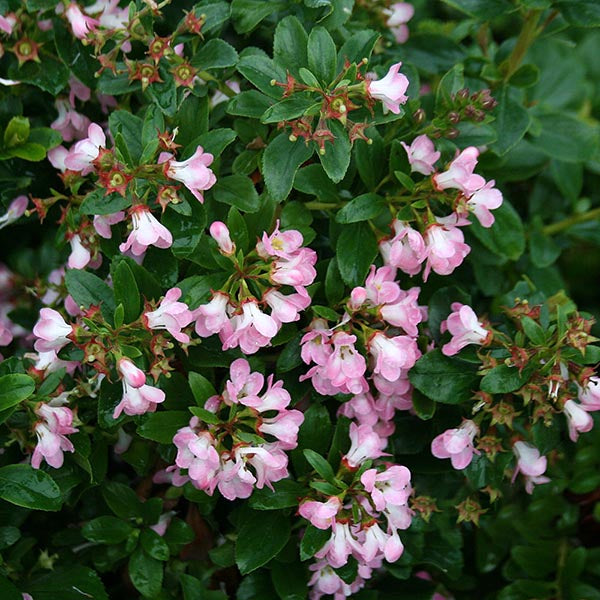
[16, 209]
[339, 546]
[193, 172]
[315, 343]
[281, 244]
[131, 374]
[243, 386]
[445, 248]
[406, 250]
[80, 256]
[483, 201]
[220, 233]
[578, 419]
[422, 155]
[80, 23]
[138, 400]
[146, 231]
[405, 312]
[103, 223]
[297, 270]
[390, 89]
[391, 486]
[460, 174]
[78, 89]
[284, 427]
[377, 542]
[320, 514]
[399, 14]
[171, 315]
[7, 22]
[196, 452]
[250, 330]
[590, 395]
[51, 330]
[465, 329]
[286, 309]
[457, 444]
[345, 366]
[57, 157]
[531, 464]
[51, 432]
[392, 355]
[69, 123]
[365, 445]
[211, 318]
[83, 153]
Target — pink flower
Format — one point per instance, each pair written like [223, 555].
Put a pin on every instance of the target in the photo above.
[211, 318]
[445, 247]
[366, 444]
[196, 452]
[392, 354]
[7, 22]
[590, 395]
[320, 514]
[315, 344]
[146, 231]
[51, 431]
[80, 256]
[77, 89]
[163, 523]
[339, 546]
[456, 444]
[284, 427]
[171, 315]
[286, 309]
[391, 486]
[193, 172]
[399, 14]
[57, 157]
[460, 173]
[243, 386]
[275, 398]
[69, 123]
[50, 363]
[16, 209]
[220, 233]
[133, 376]
[345, 367]
[390, 89]
[282, 244]
[83, 153]
[102, 223]
[531, 464]
[406, 250]
[296, 271]
[465, 328]
[422, 155]
[377, 542]
[51, 331]
[380, 286]
[250, 330]
[138, 400]
[578, 419]
[405, 312]
[80, 23]
[484, 200]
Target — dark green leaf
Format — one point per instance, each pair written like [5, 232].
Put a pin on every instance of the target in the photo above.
[336, 159]
[162, 426]
[28, 487]
[512, 122]
[215, 54]
[126, 291]
[312, 541]
[286, 494]
[356, 250]
[361, 208]
[146, 573]
[88, 289]
[106, 530]
[238, 191]
[289, 45]
[262, 535]
[14, 389]
[504, 379]
[444, 379]
[154, 545]
[322, 55]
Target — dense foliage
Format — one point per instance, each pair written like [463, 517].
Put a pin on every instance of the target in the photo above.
[297, 299]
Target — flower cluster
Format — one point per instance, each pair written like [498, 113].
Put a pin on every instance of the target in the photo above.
[235, 313]
[239, 441]
[341, 367]
[364, 520]
[439, 243]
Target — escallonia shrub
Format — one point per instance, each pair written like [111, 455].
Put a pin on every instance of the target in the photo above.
[298, 298]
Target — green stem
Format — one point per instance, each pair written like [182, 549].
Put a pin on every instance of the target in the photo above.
[322, 205]
[590, 215]
[527, 36]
